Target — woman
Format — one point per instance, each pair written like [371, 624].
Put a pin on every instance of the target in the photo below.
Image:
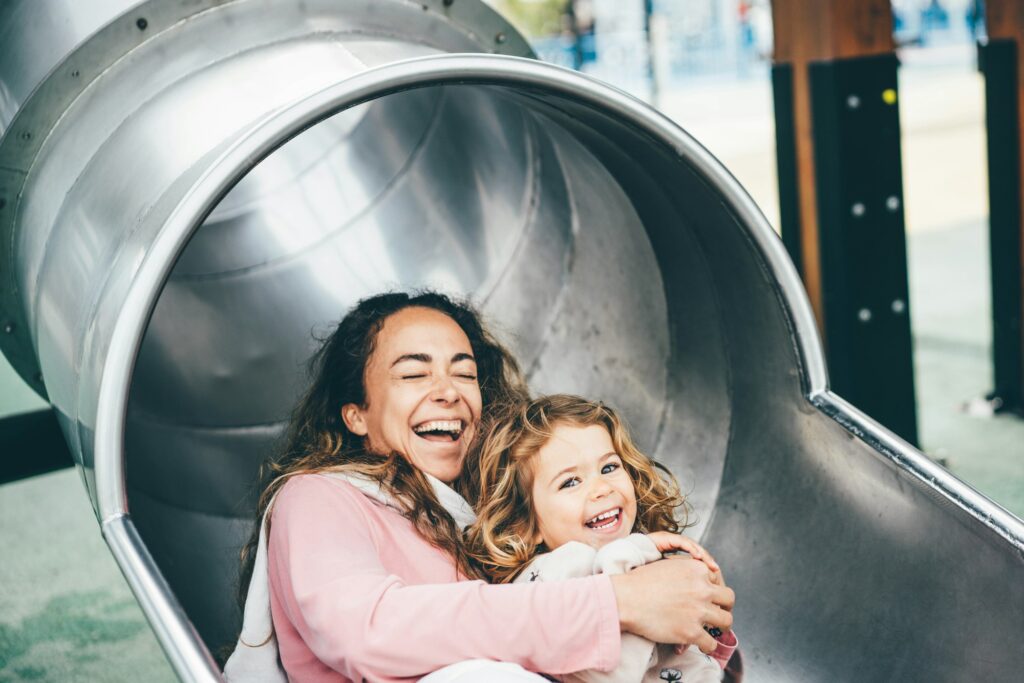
[369, 582]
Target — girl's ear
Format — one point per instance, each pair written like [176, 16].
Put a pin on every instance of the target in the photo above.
[354, 419]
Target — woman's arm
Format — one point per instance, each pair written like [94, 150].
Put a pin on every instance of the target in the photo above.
[363, 621]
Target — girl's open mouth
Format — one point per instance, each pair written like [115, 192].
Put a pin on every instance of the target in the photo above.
[439, 430]
[606, 521]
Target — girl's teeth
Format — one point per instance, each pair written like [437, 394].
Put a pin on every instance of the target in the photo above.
[611, 516]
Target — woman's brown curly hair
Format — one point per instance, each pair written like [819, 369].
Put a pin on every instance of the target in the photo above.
[319, 441]
[504, 538]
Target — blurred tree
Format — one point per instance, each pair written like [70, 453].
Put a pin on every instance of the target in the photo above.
[535, 18]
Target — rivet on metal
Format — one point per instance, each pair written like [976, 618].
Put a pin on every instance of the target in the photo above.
[857, 209]
[864, 315]
[8, 327]
[76, 73]
[500, 38]
[26, 135]
[141, 23]
[898, 306]
[852, 101]
[892, 203]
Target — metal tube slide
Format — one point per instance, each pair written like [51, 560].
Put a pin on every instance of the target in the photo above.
[192, 192]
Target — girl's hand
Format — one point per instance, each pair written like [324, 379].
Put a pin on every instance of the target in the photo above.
[667, 542]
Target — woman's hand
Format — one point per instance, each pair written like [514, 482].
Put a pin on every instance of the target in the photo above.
[671, 601]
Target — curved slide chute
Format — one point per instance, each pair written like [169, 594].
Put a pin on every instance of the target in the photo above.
[191, 192]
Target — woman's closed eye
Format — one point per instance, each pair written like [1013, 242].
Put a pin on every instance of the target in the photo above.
[464, 369]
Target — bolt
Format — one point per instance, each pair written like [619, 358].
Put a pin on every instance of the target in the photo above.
[76, 73]
[857, 209]
[892, 203]
[500, 38]
[898, 306]
[852, 101]
[141, 23]
[8, 327]
[26, 136]
[864, 315]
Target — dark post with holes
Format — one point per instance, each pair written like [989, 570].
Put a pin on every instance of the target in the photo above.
[841, 195]
[1004, 90]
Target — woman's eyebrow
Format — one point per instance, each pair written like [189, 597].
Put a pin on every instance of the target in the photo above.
[426, 358]
[421, 357]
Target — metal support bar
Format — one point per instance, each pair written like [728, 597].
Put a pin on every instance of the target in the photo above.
[998, 61]
[859, 187]
[786, 161]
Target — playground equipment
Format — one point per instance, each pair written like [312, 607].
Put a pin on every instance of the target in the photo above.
[191, 190]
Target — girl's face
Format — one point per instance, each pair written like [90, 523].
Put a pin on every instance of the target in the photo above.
[581, 491]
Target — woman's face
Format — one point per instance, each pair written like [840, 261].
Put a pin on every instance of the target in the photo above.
[422, 396]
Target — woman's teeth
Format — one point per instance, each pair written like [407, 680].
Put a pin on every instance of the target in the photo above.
[446, 428]
[598, 522]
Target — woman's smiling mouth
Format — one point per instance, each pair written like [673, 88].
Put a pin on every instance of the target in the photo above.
[440, 430]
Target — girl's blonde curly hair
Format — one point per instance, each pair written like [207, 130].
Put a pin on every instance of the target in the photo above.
[504, 538]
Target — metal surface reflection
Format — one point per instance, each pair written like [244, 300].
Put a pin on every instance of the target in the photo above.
[235, 175]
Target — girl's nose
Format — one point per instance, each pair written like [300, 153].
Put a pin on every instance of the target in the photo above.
[600, 489]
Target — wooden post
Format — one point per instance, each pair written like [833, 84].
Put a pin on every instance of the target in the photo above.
[809, 31]
[841, 194]
[1002, 60]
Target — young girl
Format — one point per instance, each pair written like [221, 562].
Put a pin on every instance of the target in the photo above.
[562, 489]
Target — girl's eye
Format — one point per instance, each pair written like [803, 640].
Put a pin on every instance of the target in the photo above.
[569, 483]
[610, 467]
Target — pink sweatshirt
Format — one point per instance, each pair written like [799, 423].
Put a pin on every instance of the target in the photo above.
[356, 593]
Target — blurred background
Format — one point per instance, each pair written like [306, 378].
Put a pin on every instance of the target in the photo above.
[66, 613]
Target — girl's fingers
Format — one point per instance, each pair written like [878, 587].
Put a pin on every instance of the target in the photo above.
[710, 561]
[666, 541]
[699, 553]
